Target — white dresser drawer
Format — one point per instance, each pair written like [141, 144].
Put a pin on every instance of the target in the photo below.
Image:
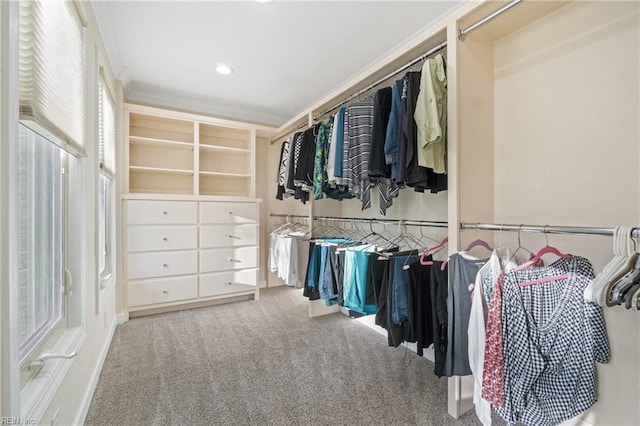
[225, 235]
[214, 212]
[228, 282]
[224, 259]
[162, 290]
[162, 264]
[150, 212]
[154, 238]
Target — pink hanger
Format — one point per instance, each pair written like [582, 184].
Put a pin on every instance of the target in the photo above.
[544, 250]
[432, 249]
[476, 243]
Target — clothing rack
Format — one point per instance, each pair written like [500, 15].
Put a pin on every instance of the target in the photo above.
[427, 223]
[280, 136]
[386, 77]
[462, 33]
[545, 229]
[288, 215]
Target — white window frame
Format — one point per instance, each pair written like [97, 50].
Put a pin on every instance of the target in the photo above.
[105, 279]
[31, 401]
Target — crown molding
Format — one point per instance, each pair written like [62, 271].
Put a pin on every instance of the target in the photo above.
[101, 13]
[211, 107]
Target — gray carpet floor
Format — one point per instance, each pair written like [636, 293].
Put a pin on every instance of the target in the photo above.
[264, 363]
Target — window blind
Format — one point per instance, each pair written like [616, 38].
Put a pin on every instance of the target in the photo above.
[51, 74]
[107, 129]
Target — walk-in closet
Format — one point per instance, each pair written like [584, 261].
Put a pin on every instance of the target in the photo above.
[412, 213]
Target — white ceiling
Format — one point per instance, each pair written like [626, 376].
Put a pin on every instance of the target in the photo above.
[286, 54]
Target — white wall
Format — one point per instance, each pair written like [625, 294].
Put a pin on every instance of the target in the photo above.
[567, 145]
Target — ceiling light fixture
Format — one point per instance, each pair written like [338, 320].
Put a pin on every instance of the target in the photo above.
[224, 69]
[263, 1]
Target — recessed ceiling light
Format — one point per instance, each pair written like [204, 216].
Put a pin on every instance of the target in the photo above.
[264, 1]
[224, 69]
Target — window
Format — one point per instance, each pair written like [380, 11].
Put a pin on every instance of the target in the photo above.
[106, 150]
[40, 238]
[105, 220]
[48, 188]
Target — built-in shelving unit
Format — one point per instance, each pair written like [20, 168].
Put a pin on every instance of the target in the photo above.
[175, 153]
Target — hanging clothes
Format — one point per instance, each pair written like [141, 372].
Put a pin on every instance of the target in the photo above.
[418, 177]
[419, 304]
[431, 116]
[402, 135]
[294, 159]
[462, 276]
[379, 170]
[499, 261]
[321, 152]
[355, 279]
[378, 167]
[359, 128]
[439, 296]
[281, 178]
[392, 134]
[303, 178]
[552, 340]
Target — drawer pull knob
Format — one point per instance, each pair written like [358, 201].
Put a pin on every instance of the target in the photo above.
[165, 291]
[230, 212]
[165, 212]
[230, 283]
[165, 239]
[165, 265]
[234, 260]
[234, 237]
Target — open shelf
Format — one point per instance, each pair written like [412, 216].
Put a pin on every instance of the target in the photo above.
[171, 152]
[153, 156]
[159, 143]
[225, 185]
[231, 163]
[224, 137]
[224, 149]
[140, 169]
[160, 128]
[156, 181]
[222, 174]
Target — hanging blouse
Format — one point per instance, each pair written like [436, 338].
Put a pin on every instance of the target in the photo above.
[319, 170]
[378, 167]
[431, 116]
[486, 278]
[282, 170]
[359, 128]
[552, 339]
[462, 274]
[391, 137]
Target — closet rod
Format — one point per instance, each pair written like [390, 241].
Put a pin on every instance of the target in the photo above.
[462, 33]
[577, 230]
[386, 77]
[431, 224]
[280, 136]
[288, 215]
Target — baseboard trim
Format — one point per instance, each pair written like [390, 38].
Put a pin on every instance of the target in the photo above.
[86, 403]
[121, 318]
